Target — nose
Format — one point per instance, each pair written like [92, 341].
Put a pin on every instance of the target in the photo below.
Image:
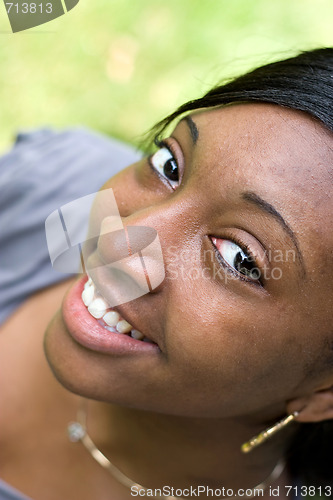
[132, 257]
[132, 260]
[135, 250]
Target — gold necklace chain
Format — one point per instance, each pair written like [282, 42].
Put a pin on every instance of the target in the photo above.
[77, 431]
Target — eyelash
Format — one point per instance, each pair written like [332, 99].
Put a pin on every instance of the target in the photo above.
[159, 143]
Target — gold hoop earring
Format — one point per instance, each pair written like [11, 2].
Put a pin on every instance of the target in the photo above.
[268, 433]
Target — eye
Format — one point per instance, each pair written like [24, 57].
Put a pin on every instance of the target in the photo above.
[166, 165]
[238, 259]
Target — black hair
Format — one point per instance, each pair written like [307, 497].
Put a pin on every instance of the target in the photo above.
[305, 83]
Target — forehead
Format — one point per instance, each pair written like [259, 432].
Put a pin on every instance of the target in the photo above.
[268, 139]
[267, 147]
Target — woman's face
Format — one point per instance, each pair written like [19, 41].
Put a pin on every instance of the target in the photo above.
[243, 317]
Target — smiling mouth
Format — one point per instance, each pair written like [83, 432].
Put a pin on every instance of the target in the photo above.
[107, 317]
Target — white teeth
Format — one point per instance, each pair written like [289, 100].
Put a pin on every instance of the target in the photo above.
[135, 334]
[111, 329]
[123, 326]
[111, 318]
[88, 295]
[98, 308]
[88, 284]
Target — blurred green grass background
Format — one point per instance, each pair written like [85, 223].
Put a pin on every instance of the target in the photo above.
[120, 65]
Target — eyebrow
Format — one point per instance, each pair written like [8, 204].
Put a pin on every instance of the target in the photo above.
[268, 208]
[193, 129]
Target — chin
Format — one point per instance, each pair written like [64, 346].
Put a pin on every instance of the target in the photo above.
[62, 359]
[81, 371]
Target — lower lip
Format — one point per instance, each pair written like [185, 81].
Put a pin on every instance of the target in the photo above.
[90, 334]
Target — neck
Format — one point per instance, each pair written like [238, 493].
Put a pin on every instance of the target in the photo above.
[156, 450]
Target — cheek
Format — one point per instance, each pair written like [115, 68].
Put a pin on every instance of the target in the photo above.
[238, 358]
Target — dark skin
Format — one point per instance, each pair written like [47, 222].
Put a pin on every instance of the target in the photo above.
[235, 354]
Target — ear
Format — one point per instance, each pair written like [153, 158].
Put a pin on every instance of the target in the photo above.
[313, 408]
